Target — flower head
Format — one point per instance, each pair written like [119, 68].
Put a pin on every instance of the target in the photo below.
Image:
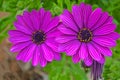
[87, 34]
[34, 37]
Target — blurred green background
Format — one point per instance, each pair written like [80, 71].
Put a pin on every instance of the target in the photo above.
[64, 69]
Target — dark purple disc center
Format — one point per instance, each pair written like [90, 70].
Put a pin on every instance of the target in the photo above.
[85, 35]
[38, 37]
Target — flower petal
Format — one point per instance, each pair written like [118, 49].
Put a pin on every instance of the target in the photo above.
[46, 20]
[103, 50]
[21, 25]
[87, 11]
[104, 41]
[88, 61]
[101, 21]
[36, 55]
[43, 61]
[76, 58]
[57, 56]
[52, 44]
[48, 53]
[19, 46]
[67, 19]
[93, 52]
[72, 48]
[105, 29]
[52, 24]
[35, 20]
[66, 30]
[65, 38]
[94, 17]
[28, 55]
[77, 10]
[83, 52]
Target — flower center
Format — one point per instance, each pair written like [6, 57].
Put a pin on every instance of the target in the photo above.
[38, 37]
[85, 35]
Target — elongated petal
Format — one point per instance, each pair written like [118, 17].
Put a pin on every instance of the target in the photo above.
[63, 39]
[52, 44]
[19, 46]
[43, 61]
[88, 61]
[36, 56]
[87, 12]
[93, 52]
[105, 29]
[101, 21]
[94, 17]
[67, 19]
[72, 48]
[66, 30]
[35, 20]
[103, 50]
[46, 20]
[57, 56]
[48, 53]
[29, 53]
[76, 58]
[83, 52]
[78, 14]
[104, 41]
[22, 26]
[52, 24]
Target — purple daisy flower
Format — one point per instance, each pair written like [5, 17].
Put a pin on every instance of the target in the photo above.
[34, 37]
[87, 35]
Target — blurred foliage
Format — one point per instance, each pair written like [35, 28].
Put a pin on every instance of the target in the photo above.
[65, 69]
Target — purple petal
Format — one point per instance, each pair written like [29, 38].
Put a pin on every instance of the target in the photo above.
[46, 20]
[88, 61]
[35, 20]
[109, 20]
[78, 14]
[94, 17]
[72, 48]
[52, 44]
[21, 54]
[105, 29]
[101, 21]
[96, 55]
[113, 35]
[66, 30]
[76, 58]
[14, 33]
[36, 57]
[87, 11]
[53, 33]
[65, 38]
[83, 52]
[19, 39]
[102, 61]
[43, 61]
[41, 16]
[104, 41]
[28, 20]
[68, 20]
[22, 25]
[19, 46]
[48, 53]
[53, 24]
[28, 55]
[103, 50]
[57, 56]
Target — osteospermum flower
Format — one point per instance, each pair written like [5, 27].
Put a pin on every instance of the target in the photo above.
[34, 37]
[87, 35]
